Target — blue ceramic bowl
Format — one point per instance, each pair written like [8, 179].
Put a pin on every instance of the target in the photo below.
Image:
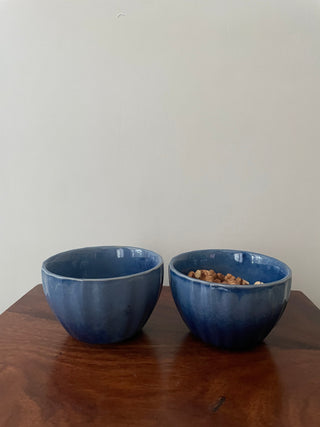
[103, 294]
[230, 316]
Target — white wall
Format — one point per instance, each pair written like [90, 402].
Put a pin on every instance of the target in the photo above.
[182, 125]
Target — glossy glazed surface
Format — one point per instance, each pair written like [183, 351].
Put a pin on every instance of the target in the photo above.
[230, 316]
[103, 294]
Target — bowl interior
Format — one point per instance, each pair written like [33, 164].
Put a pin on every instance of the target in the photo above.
[248, 265]
[102, 262]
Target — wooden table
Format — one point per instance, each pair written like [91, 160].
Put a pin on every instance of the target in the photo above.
[163, 377]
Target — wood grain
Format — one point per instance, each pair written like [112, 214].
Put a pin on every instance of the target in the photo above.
[162, 377]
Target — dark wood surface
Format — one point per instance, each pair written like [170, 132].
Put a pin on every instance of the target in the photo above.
[162, 377]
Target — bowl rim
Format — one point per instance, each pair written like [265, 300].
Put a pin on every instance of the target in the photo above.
[229, 286]
[102, 279]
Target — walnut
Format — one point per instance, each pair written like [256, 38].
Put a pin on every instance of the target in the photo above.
[197, 274]
[213, 277]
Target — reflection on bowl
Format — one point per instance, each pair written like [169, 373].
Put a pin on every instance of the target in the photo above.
[230, 316]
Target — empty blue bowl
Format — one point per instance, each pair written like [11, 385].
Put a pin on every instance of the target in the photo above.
[230, 316]
[103, 294]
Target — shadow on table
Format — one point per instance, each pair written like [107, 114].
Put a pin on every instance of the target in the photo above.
[95, 384]
[209, 386]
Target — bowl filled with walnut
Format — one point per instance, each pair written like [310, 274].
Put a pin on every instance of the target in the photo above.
[229, 298]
